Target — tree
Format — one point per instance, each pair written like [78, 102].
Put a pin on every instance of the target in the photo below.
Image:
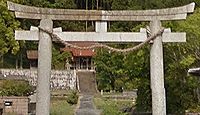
[20, 47]
[59, 58]
[8, 24]
[181, 89]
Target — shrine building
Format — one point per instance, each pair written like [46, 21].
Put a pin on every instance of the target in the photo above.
[81, 59]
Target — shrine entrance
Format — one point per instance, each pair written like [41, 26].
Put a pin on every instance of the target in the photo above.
[83, 63]
[45, 34]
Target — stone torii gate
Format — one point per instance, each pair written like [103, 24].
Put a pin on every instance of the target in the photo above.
[46, 16]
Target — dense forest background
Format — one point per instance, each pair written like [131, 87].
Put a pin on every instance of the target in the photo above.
[117, 70]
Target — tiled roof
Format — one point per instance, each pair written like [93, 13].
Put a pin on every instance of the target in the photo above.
[32, 54]
[79, 52]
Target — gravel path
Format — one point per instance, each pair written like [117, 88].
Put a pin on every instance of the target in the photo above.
[87, 85]
[86, 106]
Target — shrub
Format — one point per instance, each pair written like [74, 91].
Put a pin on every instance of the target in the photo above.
[15, 88]
[59, 106]
[72, 97]
[111, 107]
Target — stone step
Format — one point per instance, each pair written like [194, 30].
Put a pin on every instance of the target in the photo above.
[87, 82]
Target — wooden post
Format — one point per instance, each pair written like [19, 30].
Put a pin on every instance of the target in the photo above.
[157, 72]
[44, 69]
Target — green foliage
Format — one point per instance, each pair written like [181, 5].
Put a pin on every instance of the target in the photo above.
[59, 106]
[180, 88]
[115, 71]
[11, 113]
[196, 109]
[59, 58]
[187, 61]
[180, 93]
[119, 4]
[8, 24]
[111, 107]
[73, 97]
[64, 4]
[143, 102]
[15, 88]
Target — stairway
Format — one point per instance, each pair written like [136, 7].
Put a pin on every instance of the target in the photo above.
[87, 87]
[87, 82]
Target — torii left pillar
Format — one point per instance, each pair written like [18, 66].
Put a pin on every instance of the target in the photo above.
[44, 68]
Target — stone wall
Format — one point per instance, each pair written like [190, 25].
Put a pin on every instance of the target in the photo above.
[65, 79]
[14, 105]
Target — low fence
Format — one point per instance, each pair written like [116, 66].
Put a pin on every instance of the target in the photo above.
[60, 79]
[14, 105]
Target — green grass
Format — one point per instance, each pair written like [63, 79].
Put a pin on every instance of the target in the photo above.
[111, 107]
[59, 106]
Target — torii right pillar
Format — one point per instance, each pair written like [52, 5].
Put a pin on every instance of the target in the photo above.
[157, 73]
[157, 66]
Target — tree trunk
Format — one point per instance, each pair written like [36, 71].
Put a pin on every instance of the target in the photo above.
[112, 83]
[97, 4]
[16, 63]
[198, 94]
[21, 60]
[86, 7]
[1, 61]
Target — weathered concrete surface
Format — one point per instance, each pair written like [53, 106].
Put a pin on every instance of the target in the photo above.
[141, 36]
[33, 34]
[22, 11]
[44, 69]
[86, 106]
[87, 36]
[60, 79]
[157, 72]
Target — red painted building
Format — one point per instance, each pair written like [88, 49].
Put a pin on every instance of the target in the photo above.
[81, 59]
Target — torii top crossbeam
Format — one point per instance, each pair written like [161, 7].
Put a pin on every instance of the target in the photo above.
[177, 13]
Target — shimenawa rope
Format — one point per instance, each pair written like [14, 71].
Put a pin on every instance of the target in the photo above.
[100, 45]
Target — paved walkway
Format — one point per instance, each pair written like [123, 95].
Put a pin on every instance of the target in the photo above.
[86, 106]
[87, 87]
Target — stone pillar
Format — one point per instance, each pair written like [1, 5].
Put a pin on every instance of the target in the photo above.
[157, 72]
[101, 26]
[44, 69]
